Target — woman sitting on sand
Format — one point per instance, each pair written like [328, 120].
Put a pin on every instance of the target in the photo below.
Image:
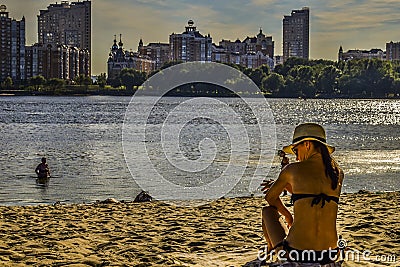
[315, 182]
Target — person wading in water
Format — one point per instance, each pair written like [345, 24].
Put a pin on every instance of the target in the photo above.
[42, 170]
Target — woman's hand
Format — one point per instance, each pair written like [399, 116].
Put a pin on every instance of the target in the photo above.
[266, 184]
[289, 219]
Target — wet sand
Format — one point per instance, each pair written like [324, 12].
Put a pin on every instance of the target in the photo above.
[226, 232]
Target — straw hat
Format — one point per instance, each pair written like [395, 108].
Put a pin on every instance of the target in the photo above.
[308, 132]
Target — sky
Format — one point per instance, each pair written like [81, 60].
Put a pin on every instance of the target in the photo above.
[353, 24]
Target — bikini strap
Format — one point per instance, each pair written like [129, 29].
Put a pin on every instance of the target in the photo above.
[283, 243]
[324, 198]
[317, 198]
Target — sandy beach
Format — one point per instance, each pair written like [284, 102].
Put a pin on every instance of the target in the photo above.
[226, 232]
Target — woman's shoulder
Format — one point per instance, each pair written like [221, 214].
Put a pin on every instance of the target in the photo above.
[288, 166]
[303, 169]
[291, 169]
[294, 166]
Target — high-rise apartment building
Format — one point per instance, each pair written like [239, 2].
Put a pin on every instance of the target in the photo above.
[61, 61]
[393, 51]
[190, 45]
[12, 47]
[66, 26]
[159, 52]
[296, 34]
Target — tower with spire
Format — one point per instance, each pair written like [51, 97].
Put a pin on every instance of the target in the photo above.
[340, 54]
[261, 43]
[114, 47]
[190, 45]
[119, 59]
[140, 45]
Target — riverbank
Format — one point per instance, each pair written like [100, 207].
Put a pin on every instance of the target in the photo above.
[123, 92]
[79, 92]
[226, 232]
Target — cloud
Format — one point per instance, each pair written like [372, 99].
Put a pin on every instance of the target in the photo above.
[359, 12]
[396, 22]
[356, 24]
[133, 22]
[262, 3]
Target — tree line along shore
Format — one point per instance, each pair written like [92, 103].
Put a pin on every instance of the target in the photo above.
[296, 78]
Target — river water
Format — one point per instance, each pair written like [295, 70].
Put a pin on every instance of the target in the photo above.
[82, 140]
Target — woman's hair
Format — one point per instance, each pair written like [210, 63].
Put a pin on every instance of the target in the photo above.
[331, 167]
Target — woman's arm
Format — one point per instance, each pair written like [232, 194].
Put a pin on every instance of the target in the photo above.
[272, 195]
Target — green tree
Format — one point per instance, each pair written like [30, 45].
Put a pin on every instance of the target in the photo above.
[115, 83]
[37, 82]
[372, 73]
[127, 79]
[351, 86]
[396, 87]
[327, 80]
[303, 79]
[289, 64]
[83, 80]
[7, 83]
[256, 75]
[102, 80]
[266, 69]
[321, 62]
[235, 66]
[140, 77]
[55, 83]
[291, 88]
[131, 77]
[273, 83]
[384, 86]
[396, 68]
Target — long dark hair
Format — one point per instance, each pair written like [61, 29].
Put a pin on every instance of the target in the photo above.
[331, 167]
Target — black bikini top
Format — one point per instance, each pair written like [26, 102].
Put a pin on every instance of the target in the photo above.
[316, 198]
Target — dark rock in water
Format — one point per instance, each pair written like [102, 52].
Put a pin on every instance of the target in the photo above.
[109, 201]
[362, 191]
[143, 197]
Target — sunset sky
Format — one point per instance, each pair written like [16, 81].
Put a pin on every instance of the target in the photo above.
[354, 24]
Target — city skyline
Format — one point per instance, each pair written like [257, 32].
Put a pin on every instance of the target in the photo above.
[353, 24]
